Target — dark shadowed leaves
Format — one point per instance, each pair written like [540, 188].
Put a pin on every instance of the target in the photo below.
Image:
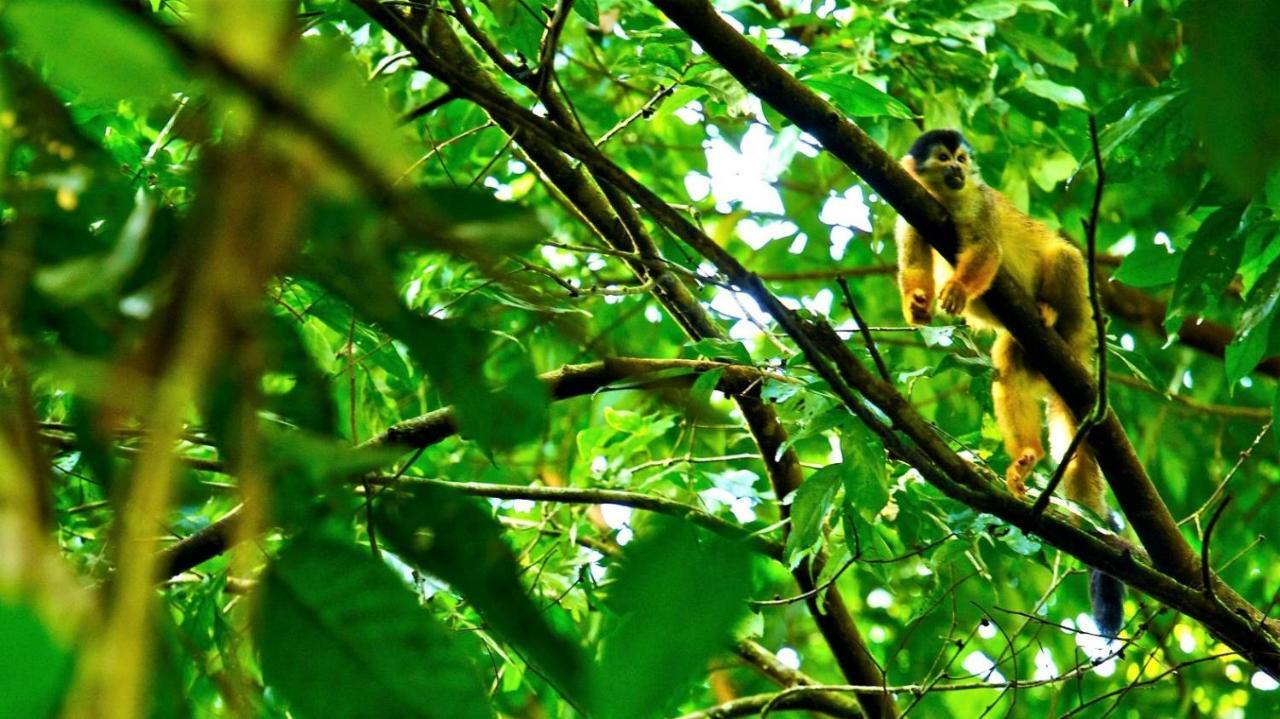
[678, 594]
[37, 668]
[452, 536]
[341, 636]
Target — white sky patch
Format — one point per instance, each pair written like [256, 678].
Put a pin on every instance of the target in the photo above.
[1095, 647]
[878, 634]
[809, 145]
[732, 21]
[1124, 245]
[615, 515]
[691, 113]
[737, 305]
[742, 507]
[500, 191]
[1246, 382]
[836, 456]
[558, 258]
[1186, 379]
[697, 185]
[821, 302]
[849, 209]
[740, 176]
[653, 314]
[789, 658]
[757, 235]
[879, 599]
[1046, 668]
[1263, 682]
[798, 244]
[980, 665]
[418, 81]
[745, 331]
[840, 237]
[1163, 239]
[1126, 341]
[788, 47]
[987, 630]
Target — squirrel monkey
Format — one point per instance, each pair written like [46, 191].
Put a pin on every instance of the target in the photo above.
[994, 234]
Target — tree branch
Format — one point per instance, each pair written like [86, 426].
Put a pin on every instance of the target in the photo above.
[1045, 350]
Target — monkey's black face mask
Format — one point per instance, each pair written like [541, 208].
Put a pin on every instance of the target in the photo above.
[953, 177]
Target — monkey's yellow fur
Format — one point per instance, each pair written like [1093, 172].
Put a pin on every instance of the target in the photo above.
[995, 234]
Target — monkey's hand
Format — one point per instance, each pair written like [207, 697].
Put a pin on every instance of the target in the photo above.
[916, 307]
[953, 298]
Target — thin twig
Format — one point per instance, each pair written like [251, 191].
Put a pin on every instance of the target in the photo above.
[1206, 571]
[866, 331]
[1099, 411]
[1222, 486]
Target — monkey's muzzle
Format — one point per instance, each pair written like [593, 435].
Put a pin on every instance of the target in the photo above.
[953, 177]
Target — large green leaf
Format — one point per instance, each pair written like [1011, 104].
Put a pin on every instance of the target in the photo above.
[1234, 98]
[342, 636]
[93, 49]
[37, 668]
[809, 507]
[859, 98]
[452, 536]
[1208, 265]
[678, 594]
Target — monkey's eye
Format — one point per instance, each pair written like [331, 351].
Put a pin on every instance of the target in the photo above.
[942, 157]
[962, 158]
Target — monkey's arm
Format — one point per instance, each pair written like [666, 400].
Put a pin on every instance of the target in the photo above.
[915, 273]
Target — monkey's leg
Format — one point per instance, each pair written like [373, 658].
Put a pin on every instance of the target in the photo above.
[1082, 480]
[1064, 291]
[1016, 394]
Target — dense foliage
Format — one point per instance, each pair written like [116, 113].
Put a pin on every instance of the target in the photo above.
[333, 386]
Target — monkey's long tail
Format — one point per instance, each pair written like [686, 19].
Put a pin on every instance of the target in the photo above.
[1106, 594]
[1083, 485]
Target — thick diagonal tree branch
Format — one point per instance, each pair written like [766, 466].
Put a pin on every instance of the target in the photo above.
[1044, 348]
[609, 212]
[1235, 621]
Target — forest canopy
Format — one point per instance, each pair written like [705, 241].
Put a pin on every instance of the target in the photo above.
[545, 358]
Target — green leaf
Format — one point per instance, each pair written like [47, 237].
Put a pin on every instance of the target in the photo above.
[1150, 264]
[1064, 95]
[589, 10]
[347, 103]
[37, 668]
[723, 351]
[1207, 266]
[700, 392]
[425, 525]
[993, 9]
[866, 476]
[859, 98]
[342, 636]
[93, 49]
[1253, 335]
[1234, 99]
[809, 507]
[1042, 47]
[679, 593]
[520, 26]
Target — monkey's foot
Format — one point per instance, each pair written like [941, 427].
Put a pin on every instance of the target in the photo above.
[918, 308]
[1015, 477]
[952, 298]
[1048, 314]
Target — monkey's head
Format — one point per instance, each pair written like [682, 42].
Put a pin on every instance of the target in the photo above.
[943, 161]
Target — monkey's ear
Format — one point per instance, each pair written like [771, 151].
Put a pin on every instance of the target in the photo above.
[909, 164]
